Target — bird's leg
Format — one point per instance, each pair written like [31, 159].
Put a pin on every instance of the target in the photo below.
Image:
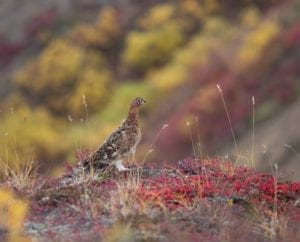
[120, 167]
[133, 156]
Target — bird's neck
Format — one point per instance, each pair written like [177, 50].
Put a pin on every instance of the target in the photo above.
[133, 116]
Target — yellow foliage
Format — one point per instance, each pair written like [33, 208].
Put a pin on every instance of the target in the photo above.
[25, 133]
[94, 82]
[61, 74]
[108, 23]
[255, 43]
[250, 17]
[102, 33]
[16, 100]
[191, 7]
[94, 86]
[85, 34]
[199, 10]
[145, 49]
[216, 27]
[13, 213]
[211, 5]
[214, 35]
[158, 16]
[169, 77]
[93, 60]
[54, 69]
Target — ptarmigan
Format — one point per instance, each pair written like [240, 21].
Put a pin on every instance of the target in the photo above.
[120, 144]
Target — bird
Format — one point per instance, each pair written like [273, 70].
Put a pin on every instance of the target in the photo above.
[120, 144]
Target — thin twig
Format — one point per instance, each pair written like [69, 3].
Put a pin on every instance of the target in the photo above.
[292, 149]
[192, 140]
[253, 132]
[229, 121]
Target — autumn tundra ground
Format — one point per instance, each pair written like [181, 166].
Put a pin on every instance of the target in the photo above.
[190, 200]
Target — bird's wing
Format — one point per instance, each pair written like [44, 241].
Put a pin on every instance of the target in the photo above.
[112, 148]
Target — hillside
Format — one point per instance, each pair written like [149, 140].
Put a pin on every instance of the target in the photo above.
[275, 144]
[190, 200]
[69, 69]
[220, 149]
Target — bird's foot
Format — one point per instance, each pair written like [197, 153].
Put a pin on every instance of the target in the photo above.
[123, 168]
[120, 166]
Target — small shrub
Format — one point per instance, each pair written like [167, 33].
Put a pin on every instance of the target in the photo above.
[13, 213]
[26, 134]
[102, 34]
[151, 48]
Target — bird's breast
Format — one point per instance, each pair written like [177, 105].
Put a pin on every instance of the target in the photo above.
[137, 140]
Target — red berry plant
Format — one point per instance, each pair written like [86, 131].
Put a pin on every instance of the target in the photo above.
[190, 200]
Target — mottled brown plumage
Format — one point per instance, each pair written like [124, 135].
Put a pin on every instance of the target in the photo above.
[120, 144]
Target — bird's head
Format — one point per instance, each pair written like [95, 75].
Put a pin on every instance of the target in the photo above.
[139, 101]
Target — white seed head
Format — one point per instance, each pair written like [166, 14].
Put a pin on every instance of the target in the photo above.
[70, 118]
[84, 100]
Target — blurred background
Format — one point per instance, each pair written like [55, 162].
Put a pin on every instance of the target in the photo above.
[69, 69]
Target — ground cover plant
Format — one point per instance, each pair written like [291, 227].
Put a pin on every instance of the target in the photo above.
[67, 83]
[190, 200]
